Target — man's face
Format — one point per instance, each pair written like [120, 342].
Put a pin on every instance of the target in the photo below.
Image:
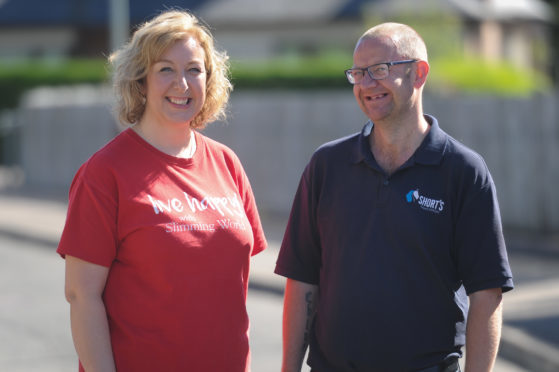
[387, 99]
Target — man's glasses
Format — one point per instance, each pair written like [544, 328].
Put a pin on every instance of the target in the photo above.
[377, 71]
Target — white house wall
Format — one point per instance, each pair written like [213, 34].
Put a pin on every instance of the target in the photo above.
[33, 42]
[268, 42]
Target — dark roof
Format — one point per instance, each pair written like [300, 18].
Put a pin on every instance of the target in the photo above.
[81, 12]
[352, 9]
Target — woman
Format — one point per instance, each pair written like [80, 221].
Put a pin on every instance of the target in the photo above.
[162, 220]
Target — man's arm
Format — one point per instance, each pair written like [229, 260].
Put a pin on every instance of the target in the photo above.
[299, 307]
[483, 331]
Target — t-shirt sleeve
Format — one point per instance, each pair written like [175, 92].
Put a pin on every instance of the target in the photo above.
[480, 246]
[300, 256]
[251, 210]
[90, 231]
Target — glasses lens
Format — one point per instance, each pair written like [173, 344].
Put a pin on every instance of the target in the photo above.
[378, 72]
[354, 76]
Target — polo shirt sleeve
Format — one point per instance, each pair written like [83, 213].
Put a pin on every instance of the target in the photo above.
[299, 256]
[480, 247]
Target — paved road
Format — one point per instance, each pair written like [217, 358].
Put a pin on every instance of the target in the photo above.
[34, 317]
[34, 329]
[35, 332]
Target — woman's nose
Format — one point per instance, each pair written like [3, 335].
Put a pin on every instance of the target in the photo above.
[181, 82]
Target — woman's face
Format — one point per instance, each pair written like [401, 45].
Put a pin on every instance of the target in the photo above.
[175, 85]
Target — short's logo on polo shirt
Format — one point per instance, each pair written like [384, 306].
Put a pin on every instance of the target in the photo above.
[424, 202]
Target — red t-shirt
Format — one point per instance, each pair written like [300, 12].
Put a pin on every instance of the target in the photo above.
[177, 235]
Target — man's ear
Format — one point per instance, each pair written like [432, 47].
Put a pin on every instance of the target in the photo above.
[421, 72]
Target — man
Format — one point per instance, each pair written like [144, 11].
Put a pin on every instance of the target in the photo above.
[391, 231]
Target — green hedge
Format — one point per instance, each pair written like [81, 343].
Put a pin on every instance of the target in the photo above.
[320, 72]
[18, 77]
[473, 76]
[325, 71]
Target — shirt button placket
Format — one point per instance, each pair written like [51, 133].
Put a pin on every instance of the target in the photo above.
[383, 192]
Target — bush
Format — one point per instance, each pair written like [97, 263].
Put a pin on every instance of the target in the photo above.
[295, 72]
[479, 77]
[18, 77]
[323, 71]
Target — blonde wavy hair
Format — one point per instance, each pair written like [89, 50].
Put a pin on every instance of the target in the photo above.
[130, 65]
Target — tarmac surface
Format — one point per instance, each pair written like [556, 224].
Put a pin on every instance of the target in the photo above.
[34, 318]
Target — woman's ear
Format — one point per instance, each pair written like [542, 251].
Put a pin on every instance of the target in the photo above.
[142, 86]
[421, 72]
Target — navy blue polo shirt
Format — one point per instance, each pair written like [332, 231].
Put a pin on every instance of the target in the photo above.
[394, 256]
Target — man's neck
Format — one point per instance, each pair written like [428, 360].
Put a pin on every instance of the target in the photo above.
[393, 143]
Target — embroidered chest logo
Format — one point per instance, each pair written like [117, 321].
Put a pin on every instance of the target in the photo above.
[424, 202]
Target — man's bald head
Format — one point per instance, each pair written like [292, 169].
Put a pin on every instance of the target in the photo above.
[407, 43]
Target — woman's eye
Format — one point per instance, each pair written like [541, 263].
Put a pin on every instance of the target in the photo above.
[166, 69]
[195, 70]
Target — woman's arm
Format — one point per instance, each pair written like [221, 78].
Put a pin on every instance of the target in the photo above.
[298, 311]
[84, 287]
[483, 331]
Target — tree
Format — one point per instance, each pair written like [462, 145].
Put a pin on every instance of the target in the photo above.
[555, 40]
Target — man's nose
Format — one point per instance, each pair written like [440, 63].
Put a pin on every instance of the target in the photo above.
[368, 80]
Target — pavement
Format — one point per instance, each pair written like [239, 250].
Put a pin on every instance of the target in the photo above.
[530, 337]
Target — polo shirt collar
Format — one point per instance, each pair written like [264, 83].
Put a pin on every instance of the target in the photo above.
[432, 149]
[362, 150]
[430, 152]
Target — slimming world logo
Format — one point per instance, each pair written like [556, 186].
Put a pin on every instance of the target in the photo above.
[425, 203]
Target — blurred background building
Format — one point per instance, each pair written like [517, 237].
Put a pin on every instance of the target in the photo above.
[517, 31]
[490, 85]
